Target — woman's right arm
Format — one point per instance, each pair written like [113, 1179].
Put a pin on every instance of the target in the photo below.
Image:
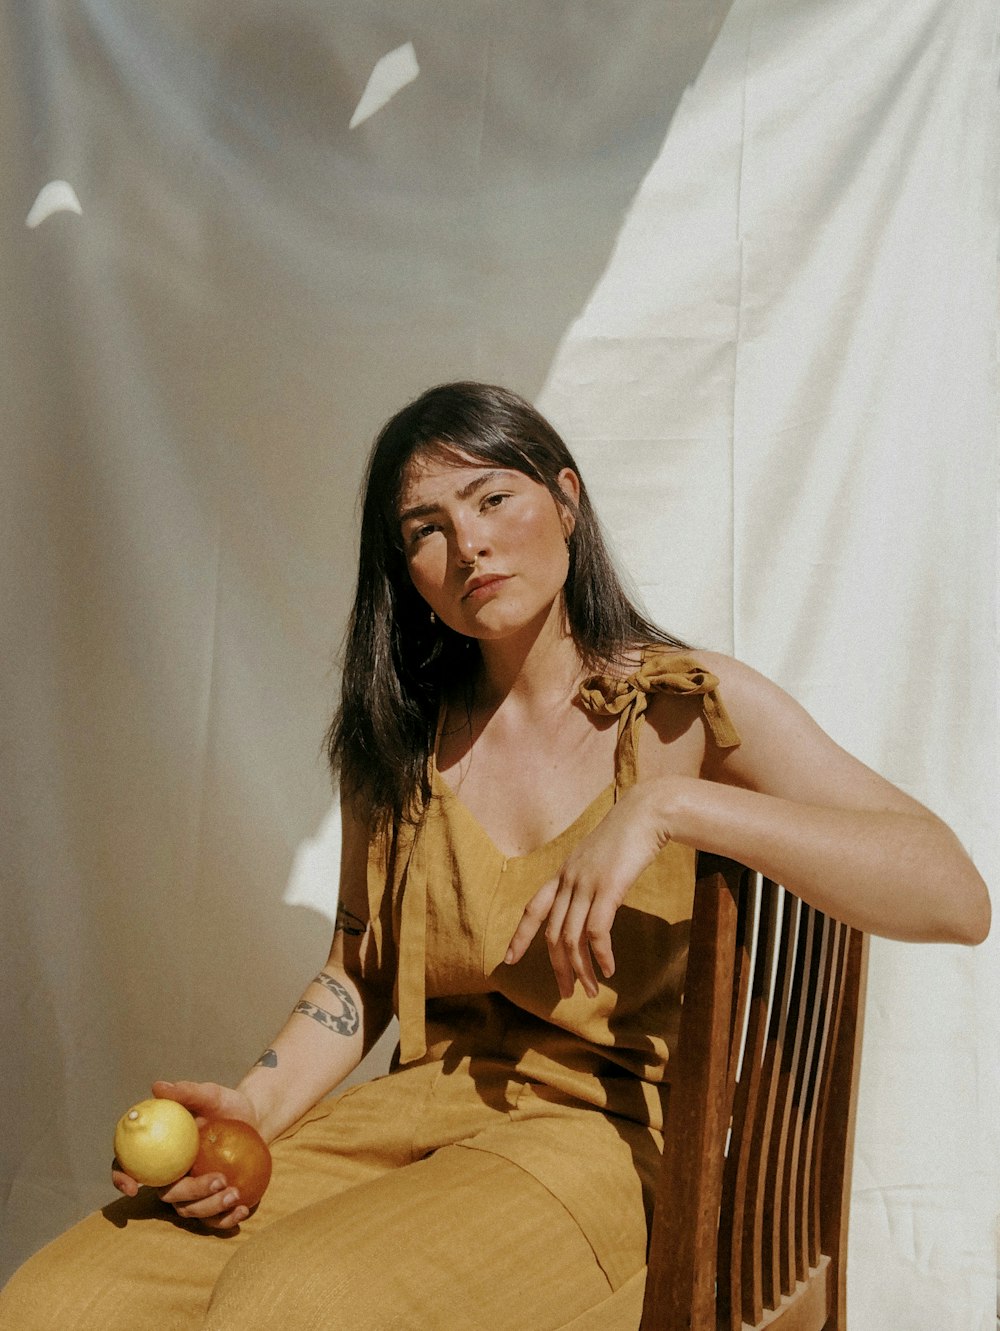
[337, 1020]
[339, 1016]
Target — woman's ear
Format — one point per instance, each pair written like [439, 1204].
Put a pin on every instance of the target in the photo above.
[569, 483]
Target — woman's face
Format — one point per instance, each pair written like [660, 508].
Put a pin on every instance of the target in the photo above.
[485, 547]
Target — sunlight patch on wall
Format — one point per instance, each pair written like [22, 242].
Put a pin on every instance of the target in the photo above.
[58, 196]
[315, 873]
[394, 71]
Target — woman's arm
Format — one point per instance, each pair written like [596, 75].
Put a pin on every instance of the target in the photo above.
[788, 802]
[792, 803]
[338, 1018]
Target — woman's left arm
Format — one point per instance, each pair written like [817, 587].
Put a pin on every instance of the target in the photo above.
[788, 802]
[793, 804]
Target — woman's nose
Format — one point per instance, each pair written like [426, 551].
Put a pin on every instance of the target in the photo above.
[469, 543]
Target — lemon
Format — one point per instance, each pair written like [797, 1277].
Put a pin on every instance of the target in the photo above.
[156, 1141]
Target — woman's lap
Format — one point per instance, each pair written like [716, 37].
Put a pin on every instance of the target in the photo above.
[461, 1239]
[345, 1237]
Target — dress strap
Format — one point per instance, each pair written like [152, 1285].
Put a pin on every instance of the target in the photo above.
[411, 906]
[661, 671]
[411, 972]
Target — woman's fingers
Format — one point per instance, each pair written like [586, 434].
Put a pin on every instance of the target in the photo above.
[559, 955]
[229, 1220]
[573, 938]
[206, 1198]
[194, 1190]
[123, 1182]
[599, 922]
[203, 1098]
[536, 912]
[577, 923]
[547, 907]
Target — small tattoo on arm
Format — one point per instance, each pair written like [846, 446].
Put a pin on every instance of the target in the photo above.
[344, 1022]
[268, 1059]
[349, 923]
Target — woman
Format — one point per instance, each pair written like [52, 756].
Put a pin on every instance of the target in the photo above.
[527, 767]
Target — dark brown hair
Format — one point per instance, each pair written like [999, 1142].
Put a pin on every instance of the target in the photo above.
[397, 663]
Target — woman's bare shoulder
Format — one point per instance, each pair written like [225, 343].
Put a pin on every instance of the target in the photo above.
[726, 669]
[741, 686]
[751, 704]
[784, 750]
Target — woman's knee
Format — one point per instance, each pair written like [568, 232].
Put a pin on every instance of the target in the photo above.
[297, 1277]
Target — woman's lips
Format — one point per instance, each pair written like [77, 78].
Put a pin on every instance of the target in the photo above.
[478, 588]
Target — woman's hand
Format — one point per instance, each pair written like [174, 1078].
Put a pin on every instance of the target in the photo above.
[205, 1197]
[579, 905]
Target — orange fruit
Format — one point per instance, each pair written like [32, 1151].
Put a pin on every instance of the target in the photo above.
[156, 1142]
[234, 1148]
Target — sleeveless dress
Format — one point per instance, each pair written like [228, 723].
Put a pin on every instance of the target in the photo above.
[500, 1176]
[445, 902]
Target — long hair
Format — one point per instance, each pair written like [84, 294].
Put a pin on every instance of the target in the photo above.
[397, 663]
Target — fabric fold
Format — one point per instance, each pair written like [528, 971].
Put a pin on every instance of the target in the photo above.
[412, 964]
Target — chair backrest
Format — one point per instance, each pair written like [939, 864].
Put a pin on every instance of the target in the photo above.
[750, 1226]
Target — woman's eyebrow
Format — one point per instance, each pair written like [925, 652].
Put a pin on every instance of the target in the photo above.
[466, 492]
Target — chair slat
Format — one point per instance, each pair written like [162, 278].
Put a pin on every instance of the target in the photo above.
[837, 1123]
[810, 1016]
[775, 980]
[758, 937]
[796, 1037]
[838, 998]
[827, 998]
[747, 928]
[781, 1042]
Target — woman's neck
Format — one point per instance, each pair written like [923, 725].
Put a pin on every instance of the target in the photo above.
[530, 668]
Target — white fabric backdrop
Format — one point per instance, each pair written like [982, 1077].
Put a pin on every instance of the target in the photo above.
[744, 255]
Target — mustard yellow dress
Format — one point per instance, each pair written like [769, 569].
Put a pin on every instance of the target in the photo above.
[501, 1174]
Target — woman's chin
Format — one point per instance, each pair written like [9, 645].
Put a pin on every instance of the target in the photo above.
[497, 625]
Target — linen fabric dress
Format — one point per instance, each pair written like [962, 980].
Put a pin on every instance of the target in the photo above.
[501, 1174]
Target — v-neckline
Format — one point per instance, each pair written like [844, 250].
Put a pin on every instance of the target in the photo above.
[446, 791]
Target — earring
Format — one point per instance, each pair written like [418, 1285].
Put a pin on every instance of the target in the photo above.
[434, 618]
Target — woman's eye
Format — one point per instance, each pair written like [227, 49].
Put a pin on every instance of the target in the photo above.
[494, 500]
[419, 534]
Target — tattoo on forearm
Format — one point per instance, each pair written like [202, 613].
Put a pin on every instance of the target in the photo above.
[268, 1059]
[349, 923]
[344, 1022]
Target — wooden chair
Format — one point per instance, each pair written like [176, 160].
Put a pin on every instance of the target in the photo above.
[750, 1226]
